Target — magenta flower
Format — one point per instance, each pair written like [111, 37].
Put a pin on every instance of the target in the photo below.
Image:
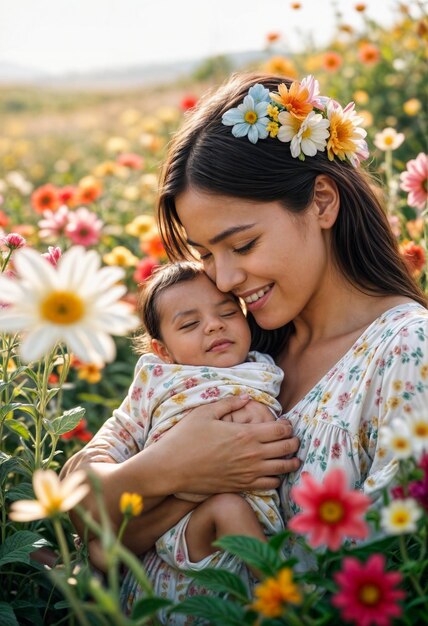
[13, 241]
[84, 227]
[414, 180]
[331, 511]
[53, 255]
[368, 595]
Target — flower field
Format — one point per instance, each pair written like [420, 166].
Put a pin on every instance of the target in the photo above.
[78, 182]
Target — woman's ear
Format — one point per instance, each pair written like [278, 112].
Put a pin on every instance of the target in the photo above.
[161, 351]
[326, 201]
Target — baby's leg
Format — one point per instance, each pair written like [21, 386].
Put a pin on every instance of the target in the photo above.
[222, 514]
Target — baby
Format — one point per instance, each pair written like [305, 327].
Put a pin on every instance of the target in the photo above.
[196, 350]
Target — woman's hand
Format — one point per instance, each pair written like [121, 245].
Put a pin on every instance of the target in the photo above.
[252, 413]
[203, 454]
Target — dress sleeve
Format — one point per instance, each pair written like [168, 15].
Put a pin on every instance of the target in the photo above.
[401, 388]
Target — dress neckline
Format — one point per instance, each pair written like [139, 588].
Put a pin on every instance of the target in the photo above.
[345, 356]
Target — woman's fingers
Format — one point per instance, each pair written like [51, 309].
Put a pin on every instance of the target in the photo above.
[271, 431]
[225, 406]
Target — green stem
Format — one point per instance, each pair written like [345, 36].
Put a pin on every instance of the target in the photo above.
[70, 596]
[62, 545]
[413, 580]
[6, 261]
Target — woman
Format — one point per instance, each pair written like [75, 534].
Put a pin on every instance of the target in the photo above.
[268, 190]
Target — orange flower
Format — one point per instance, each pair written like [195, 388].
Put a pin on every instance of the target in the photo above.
[332, 61]
[274, 593]
[360, 7]
[414, 257]
[280, 66]
[45, 197]
[296, 5]
[295, 100]
[4, 220]
[154, 247]
[368, 54]
[272, 37]
[89, 189]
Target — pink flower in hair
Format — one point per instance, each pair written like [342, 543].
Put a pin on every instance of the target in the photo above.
[414, 180]
[84, 227]
[313, 87]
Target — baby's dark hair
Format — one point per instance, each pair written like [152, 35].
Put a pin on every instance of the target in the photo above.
[172, 274]
[162, 278]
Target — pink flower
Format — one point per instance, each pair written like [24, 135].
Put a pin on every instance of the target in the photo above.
[13, 241]
[131, 160]
[84, 227]
[145, 268]
[367, 594]
[414, 180]
[54, 223]
[53, 255]
[331, 511]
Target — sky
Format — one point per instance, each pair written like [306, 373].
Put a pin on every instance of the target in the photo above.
[59, 36]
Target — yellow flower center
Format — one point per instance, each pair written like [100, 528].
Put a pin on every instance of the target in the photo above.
[401, 443]
[250, 117]
[54, 505]
[306, 133]
[400, 518]
[421, 429]
[369, 594]
[340, 140]
[331, 511]
[62, 307]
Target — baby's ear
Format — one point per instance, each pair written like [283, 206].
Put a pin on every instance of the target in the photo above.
[161, 351]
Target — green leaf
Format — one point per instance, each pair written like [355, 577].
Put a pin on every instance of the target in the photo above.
[216, 610]
[277, 541]
[24, 491]
[220, 581]
[8, 464]
[253, 552]
[7, 615]
[148, 606]
[17, 427]
[8, 408]
[17, 547]
[65, 422]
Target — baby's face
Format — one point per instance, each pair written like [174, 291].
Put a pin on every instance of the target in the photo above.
[200, 325]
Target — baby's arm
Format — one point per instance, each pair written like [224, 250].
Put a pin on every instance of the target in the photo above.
[253, 413]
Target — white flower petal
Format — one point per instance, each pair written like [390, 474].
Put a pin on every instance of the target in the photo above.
[46, 486]
[11, 321]
[74, 498]
[240, 130]
[71, 482]
[38, 342]
[10, 290]
[35, 269]
[232, 117]
[26, 511]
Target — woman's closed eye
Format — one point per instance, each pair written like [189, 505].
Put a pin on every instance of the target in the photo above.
[188, 325]
[247, 247]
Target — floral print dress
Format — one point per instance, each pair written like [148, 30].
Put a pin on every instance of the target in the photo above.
[382, 376]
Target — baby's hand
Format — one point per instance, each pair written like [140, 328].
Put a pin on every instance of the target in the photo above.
[252, 413]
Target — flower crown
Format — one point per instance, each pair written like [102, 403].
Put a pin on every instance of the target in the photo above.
[298, 114]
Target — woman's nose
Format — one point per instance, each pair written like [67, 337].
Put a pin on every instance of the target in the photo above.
[228, 277]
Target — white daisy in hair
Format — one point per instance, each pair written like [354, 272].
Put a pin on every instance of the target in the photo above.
[75, 303]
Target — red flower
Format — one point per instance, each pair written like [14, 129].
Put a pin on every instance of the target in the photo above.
[79, 432]
[367, 593]
[188, 102]
[414, 256]
[145, 268]
[45, 197]
[4, 220]
[331, 511]
[68, 195]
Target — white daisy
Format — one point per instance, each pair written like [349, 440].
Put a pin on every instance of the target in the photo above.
[312, 136]
[418, 427]
[388, 139]
[248, 119]
[75, 302]
[400, 516]
[397, 438]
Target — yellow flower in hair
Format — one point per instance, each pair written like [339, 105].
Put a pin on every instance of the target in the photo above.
[272, 128]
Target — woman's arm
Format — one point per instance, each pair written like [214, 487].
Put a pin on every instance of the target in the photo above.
[201, 454]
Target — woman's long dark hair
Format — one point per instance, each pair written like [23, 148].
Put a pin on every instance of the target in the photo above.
[205, 155]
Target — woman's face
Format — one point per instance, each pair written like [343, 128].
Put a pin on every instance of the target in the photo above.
[275, 260]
